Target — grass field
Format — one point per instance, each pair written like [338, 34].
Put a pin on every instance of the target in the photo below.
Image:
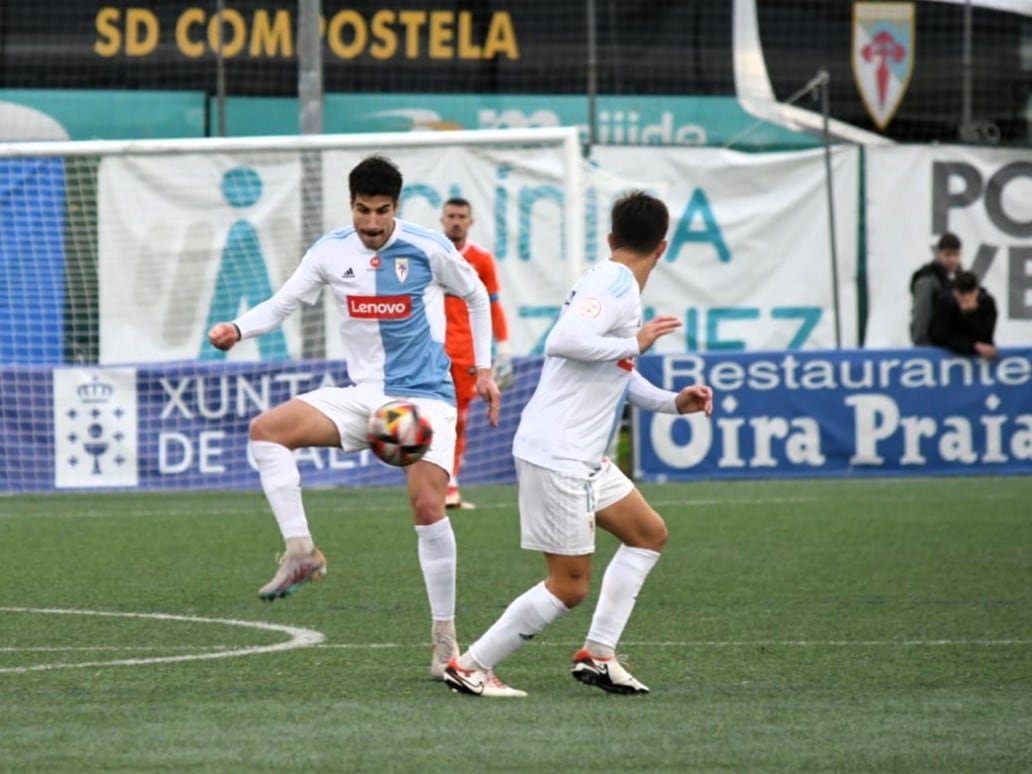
[877, 626]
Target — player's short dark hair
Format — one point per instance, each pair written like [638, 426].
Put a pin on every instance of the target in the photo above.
[458, 201]
[948, 241]
[375, 176]
[639, 222]
[965, 282]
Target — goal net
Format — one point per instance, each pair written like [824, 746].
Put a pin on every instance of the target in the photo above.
[116, 257]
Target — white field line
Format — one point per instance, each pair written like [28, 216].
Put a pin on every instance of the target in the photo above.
[730, 644]
[299, 638]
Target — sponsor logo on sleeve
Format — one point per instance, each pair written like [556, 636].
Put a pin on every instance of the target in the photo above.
[589, 308]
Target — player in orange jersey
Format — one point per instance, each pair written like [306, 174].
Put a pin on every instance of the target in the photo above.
[456, 219]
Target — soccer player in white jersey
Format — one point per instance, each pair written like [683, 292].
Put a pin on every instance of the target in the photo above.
[566, 485]
[388, 278]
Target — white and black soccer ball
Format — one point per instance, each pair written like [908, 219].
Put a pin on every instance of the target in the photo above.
[398, 434]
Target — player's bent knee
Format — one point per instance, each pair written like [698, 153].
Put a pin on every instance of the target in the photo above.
[570, 591]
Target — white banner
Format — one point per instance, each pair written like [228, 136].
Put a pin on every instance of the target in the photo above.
[170, 227]
[983, 195]
[188, 240]
[749, 264]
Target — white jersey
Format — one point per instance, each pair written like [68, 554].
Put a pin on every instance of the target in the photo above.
[391, 305]
[588, 370]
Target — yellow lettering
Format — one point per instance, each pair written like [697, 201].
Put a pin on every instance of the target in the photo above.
[386, 38]
[441, 35]
[271, 39]
[412, 20]
[107, 29]
[238, 32]
[467, 48]
[191, 17]
[141, 32]
[354, 20]
[501, 37]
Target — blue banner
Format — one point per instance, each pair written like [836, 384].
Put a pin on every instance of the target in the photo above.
[182, 426]
[32, 260]
[918, 411]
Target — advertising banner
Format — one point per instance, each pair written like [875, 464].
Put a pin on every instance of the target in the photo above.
[184, 426]
[749, 264]
[861, 413]
[914, 194]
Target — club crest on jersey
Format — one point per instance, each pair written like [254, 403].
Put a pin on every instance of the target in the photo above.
[401, 268]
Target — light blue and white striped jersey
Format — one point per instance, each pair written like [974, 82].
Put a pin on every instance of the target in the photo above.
[391, 305]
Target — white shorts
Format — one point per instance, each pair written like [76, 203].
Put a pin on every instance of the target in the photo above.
[349, 408]
[557, 509]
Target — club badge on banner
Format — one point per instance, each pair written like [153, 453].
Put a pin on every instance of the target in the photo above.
[95, 428]
[916, 193]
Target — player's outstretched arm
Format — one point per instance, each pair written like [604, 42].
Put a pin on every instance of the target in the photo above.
[488, 390]
[697, 397]
[224, 335]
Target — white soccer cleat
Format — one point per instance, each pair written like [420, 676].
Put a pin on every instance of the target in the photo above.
[445, 647]
[477, 682]
[605, 673]
[294, 571]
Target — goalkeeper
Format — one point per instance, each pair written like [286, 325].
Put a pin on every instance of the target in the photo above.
[456, 220]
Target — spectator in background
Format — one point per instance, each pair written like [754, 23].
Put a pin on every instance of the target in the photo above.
[964, 318]
[928, 283]
[456, 219]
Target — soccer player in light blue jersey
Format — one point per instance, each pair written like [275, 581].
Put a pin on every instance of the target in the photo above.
[388, 279]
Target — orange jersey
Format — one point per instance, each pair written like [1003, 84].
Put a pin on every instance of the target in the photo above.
[458, 338]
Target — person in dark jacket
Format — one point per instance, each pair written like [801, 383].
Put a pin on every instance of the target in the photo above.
[964, 318]
[928, 283]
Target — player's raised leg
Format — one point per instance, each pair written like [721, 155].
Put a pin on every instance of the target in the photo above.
[274, 434]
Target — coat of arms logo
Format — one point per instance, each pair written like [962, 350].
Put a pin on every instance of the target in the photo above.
[883, 56]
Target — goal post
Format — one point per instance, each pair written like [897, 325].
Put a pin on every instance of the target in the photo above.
[116, 256]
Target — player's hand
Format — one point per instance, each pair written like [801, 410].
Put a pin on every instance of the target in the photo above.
[697, 397]
[988, 351]
[488, 390]
[223, 335]
[504, 374]
[654, 328]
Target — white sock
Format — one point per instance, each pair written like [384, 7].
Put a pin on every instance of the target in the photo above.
[525, 616]
[621, 583]
[281, 482]
[438, 559]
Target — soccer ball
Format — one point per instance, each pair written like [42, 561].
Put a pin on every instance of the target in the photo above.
[398, 434]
